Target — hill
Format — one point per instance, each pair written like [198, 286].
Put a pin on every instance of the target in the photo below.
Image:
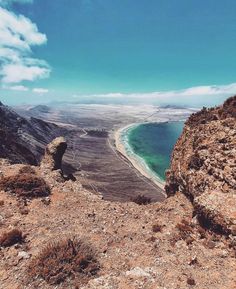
[23, 140]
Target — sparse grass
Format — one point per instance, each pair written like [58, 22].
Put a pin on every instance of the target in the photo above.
[141, 200]
[191, 281]
[63, 259]
[151, 239]
[23, 210]
[195, 162]
[185, 231]
[156, 228]
[202, 232]
[11, 238]
[27, 170]
[25, 185]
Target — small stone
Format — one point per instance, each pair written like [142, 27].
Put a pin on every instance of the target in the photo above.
[46, 201]
[23, 255]
[224, 254]
[193, 261]
[137, 272]
[210, 244]
[233, 230]
[1, 219]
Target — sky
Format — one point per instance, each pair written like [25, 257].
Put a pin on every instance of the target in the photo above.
[131, 51]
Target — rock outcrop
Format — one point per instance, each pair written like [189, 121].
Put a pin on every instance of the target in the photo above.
[54, 152]
[203, 165]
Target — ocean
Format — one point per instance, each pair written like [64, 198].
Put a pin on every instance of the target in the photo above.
[154, 143]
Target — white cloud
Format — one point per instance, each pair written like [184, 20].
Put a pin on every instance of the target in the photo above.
[210, 90]
[24, 88]
[17, 35]
[7, 2]
[16, 73]
[18, 31]
[18, 88]
[40, 90]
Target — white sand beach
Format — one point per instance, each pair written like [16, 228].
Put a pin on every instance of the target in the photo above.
[138, 163]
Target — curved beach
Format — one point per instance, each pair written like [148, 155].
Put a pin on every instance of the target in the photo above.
[122, 146]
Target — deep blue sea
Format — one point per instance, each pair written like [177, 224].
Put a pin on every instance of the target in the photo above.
[154, 143]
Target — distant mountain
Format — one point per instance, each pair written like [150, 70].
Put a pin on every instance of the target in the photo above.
[23, 140]
[173, 106]
[40, 109]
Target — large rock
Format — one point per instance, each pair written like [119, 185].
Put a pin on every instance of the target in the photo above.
[203, 164]
[217, 210]
[53, 154]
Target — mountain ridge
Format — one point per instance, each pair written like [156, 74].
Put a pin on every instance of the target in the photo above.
[23, 140]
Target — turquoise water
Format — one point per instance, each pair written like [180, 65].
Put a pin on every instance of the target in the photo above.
[154, 143]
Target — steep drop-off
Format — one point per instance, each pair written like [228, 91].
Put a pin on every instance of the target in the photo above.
[203, 165]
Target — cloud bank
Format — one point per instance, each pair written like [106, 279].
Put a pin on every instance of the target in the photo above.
[17, 37]
[229, 89]
[194, 96]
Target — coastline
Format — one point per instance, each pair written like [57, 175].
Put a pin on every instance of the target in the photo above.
[137, 162]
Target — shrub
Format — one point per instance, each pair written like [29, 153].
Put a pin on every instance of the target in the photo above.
[185, 231]
[27, 170]
[11, 238]
[174, 239]
[25, 185]
[195, 162]
[191, 281]
[156, 228]
[63, 259]
[23, 210]
[141, 200]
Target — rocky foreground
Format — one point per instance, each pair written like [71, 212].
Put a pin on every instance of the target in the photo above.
[56, 234]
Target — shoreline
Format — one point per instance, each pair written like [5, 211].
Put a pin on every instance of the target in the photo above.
[137, 162]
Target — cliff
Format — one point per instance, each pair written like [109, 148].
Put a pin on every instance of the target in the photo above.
[203, 166]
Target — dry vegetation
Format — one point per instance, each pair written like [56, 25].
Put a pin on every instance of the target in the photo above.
[11, 238]
[27, 170]
[25, 185]
[185, 231]
[63, 259]
[156, 228]
[141, 200]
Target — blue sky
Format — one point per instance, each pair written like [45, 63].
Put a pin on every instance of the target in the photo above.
[181, 50]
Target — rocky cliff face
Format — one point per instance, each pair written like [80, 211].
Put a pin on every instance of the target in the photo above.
[23, 140]
[203, 165]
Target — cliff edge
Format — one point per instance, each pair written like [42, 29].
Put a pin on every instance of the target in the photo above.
[203, 166]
